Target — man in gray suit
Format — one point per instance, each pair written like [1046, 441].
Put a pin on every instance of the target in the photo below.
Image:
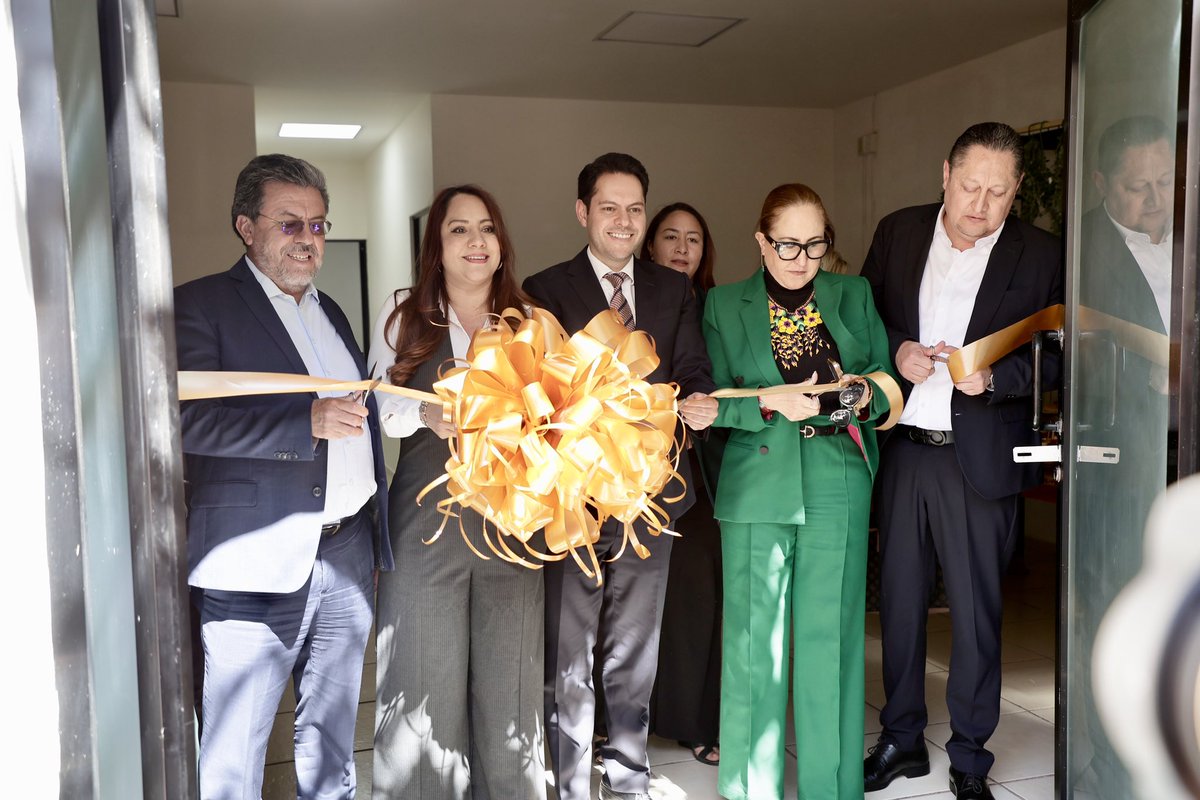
[286, 496]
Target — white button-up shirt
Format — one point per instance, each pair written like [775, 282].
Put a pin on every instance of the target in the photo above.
[1155, 263]
[948, 287]
[350, 479]
[603, 269]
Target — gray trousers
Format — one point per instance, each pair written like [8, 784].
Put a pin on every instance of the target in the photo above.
[620, 623]
[254, 641]
[459, 643]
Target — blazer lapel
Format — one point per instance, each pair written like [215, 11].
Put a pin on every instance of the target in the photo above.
[645, 297]
[260, 305]
[921, 239]
[1001, 266]
[828, 295]
[757, 327]
[586, 285]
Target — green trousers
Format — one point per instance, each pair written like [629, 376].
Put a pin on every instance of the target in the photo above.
[807, 581]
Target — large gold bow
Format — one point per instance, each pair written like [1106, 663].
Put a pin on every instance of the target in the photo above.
[559, 434]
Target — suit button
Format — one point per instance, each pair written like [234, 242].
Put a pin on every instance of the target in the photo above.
[738, 380]
[764, 449]
[317, 491]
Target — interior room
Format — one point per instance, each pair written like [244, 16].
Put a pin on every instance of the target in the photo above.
[720, 101]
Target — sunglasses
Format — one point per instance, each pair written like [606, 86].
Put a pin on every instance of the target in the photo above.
[291, 227]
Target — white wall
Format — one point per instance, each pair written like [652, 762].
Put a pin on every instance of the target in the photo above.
[399, 181]
[723, 160]
[919, 121]
[208, 136]
[349, 196]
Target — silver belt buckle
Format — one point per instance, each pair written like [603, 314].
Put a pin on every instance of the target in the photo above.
[808, 431]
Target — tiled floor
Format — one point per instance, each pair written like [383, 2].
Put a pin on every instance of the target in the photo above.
[1023, 743]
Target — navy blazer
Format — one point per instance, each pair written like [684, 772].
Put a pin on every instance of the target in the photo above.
[1024, 274]
[665, 307]
[254, 482]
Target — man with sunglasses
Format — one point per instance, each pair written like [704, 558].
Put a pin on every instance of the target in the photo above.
[945, 275]
[286, 496]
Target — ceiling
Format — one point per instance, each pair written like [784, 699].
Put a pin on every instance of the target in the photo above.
[367, 61]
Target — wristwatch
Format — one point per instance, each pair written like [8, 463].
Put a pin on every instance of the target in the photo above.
[991, 382]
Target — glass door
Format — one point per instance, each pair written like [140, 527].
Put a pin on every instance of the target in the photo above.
[1123, 284]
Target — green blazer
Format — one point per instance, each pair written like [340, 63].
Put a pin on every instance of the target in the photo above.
[760, 479]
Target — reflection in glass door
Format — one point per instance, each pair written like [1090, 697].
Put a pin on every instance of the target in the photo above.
[1119, 446]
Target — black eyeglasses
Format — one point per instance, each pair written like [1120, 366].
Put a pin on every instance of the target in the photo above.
[291, 227]
[790, 251]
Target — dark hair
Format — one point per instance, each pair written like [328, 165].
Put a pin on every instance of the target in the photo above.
[422, 323]
[792, 194]
[607, 164]
[994, 136]
[248, 193]
[1126, 133]
[702, 281]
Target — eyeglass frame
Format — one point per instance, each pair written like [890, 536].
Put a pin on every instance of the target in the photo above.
[800, 248]
[315, 227]
[848, 398]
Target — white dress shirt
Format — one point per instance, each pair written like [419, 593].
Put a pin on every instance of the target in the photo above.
[948, 287]
[350, 479]
[400, 416]
[1155, 263]
[603, 269]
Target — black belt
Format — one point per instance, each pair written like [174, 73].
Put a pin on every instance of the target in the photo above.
[332, 528]
[809, 431]
[931, 438]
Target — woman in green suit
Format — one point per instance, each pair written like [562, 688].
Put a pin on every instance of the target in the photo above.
[793, 500]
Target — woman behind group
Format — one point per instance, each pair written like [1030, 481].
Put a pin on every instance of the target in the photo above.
[793, 500]
[460, 639]
[686, 700]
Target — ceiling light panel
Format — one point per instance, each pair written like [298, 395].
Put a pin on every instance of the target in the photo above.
[686, 30]
[311, 130]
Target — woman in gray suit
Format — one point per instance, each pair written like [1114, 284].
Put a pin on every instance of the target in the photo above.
[459, 639]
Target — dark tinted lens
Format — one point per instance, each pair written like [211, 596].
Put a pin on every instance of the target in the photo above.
[321, 228]
[290, 227]
[841, 417]
[849, 396]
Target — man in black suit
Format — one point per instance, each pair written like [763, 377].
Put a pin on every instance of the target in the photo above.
[618, 623]
[1125, 259]
[944, 276]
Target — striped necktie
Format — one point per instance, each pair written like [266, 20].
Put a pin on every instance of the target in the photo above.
[618, 303]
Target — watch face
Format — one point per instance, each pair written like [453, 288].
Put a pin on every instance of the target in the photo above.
[841, 418]
[851, 395]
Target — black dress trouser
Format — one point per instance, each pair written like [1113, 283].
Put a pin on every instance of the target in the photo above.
[928, 508]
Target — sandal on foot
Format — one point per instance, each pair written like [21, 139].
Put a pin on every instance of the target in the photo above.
[704, 753]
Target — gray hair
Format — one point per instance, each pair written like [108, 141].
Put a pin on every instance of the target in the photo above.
[248, 194]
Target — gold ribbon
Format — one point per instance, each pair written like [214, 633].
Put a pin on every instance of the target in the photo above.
[987, 351]
[197, 385]
[553, 432]
[886, 383]
[559, 434]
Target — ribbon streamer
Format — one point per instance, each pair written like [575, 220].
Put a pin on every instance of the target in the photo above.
[197, 385]
[554, 433]
[886, 384]
[987, 351]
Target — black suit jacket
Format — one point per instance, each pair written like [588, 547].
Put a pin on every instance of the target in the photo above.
[255, 484]
[665, 308]
[1024, 275]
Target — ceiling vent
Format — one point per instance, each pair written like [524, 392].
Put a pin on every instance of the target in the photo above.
[683, 30]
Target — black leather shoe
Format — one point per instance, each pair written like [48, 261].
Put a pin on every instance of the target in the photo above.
[885, 762]
[969, 787]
